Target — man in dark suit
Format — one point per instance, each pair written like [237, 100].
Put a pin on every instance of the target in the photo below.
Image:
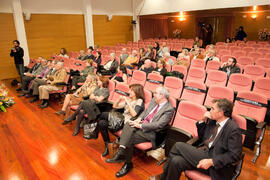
[155, 117]
[230, 66]
[219, 146]
[110, 68]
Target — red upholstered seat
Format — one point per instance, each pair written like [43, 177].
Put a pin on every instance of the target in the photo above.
[216, 77]
[218, 92]
[254, 71]
[174, 86]
[196, 175]
[153, 81]
[239, 82]
[196, 74]
[194, 91]
[182, 69]
[138, 77]
[121, 89]
[212, 65]
[197, 63]
[262, 86]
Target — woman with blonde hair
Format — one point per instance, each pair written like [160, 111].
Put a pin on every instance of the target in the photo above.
[85, 90]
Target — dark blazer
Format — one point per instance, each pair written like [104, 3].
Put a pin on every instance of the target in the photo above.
[234, 69]
[18, 55]
[162, 72]
[159, 121]
[225, 150]
[113, 67]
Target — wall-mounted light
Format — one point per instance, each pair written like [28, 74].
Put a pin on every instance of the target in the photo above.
[254, 8]
[244, 16]
[254, 16]
[267, 17]
[182, 16]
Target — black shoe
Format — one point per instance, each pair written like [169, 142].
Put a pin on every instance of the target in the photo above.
[60, 112]
[68, 120]
[124, 170]
[19, 89]
[42, 103]
[28, 95]
[34, 99]
[106, 151]
[76, 132]
[21, 95]
[118, 157]
[46, 104]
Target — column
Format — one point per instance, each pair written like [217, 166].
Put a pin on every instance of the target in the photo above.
[136, 6]
[88, 22]
[20, 30]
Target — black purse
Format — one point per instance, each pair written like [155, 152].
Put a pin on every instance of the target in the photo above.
[90, 131]
[115, 120]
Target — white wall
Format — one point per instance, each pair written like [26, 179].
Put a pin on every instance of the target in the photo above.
[114, 7]
[166, 6]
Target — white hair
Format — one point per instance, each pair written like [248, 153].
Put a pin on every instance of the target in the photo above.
[162, 90]
[167, 54]
[112, 54]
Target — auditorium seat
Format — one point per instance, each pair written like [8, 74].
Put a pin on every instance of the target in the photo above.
[263, 50]
[255, 55]
[239, 82]
[254, 71]
[197, 63]
[216, 77]
[262, 86]
[238, 54]
[248, 49]
[111, 88]
[245, 60]
[153, 81]
[218, 92]
[253, 107]
[174, 86]
[138, 77]
[212, 65]
[265, 62]
[224, 58]
[121, 89]
[194, 91]
[196, 74]
[223, 52]
[234, 48]
[182, 69]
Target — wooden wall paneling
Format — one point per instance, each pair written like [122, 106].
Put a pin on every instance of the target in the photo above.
[187, 27]
[48, 33]
[7, 35]
[107, 33]
[252, 26]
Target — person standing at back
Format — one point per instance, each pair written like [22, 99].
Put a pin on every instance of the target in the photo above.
[18, 53]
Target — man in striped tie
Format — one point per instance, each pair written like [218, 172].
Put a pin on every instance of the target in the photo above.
[156, 117]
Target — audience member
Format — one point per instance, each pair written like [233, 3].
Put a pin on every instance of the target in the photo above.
[230, 66]
[82, 55]
[89, 69]
[167, 58]
[197, 42]
[110, 67]
[17, 53]
[186, 54]
[52, 84]
[182, 60]
[241, 34]
[147, 66]
[161, 69]
[133, 106]
[89, 53]
[131, 60]
[211, 56]
[219, 146]
[101, 94]
[123, 56]
[156, 117]
[121, 75]
[161, 52]
[98, 58]
[196, 54]
[63, 53]
[84, 91]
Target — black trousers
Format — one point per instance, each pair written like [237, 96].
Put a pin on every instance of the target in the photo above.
[25, 81]
[103, 126]
[78, 79]
[183, 157]
[131, 136]
[20, 70]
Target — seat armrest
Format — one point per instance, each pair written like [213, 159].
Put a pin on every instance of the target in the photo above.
[192, 141]
[249, 118]
[261, 125]
[182, 132]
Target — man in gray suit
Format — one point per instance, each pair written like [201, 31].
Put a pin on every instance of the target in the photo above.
[156, 117]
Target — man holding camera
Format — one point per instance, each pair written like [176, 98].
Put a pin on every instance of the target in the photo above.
[18, 53]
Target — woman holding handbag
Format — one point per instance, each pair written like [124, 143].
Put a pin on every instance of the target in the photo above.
[85, 90]
[89, 107]
[114, 121]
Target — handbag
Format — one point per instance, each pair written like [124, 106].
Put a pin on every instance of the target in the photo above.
[115, 121]
[90, 131]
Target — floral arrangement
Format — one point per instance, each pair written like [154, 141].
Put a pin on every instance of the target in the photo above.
[264, 34]
[5, 101]
[177, 33]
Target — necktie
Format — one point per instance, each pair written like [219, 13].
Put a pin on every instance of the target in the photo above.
[151, 115]
[212, 138]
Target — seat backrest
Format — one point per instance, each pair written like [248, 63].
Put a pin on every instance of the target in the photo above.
[262, 86]
[196, 74]
[186, 119]
[248, 106]
[238, 54]
[218, 92]
[147, 97]
[244, 60]
[224, 52]
[239, 82]
[224, 58]
[174, 85]
[234, 48]
[248, 49]
[265, 62]
[263, 50]
[194, 91]
[138, 77]
[121, 89]
[254, 71]
[212, 65]
[182, 69]
[255, 55]
[216, 77]
[197, 63]
[111, 88]
[242, 123]
[153, 81]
